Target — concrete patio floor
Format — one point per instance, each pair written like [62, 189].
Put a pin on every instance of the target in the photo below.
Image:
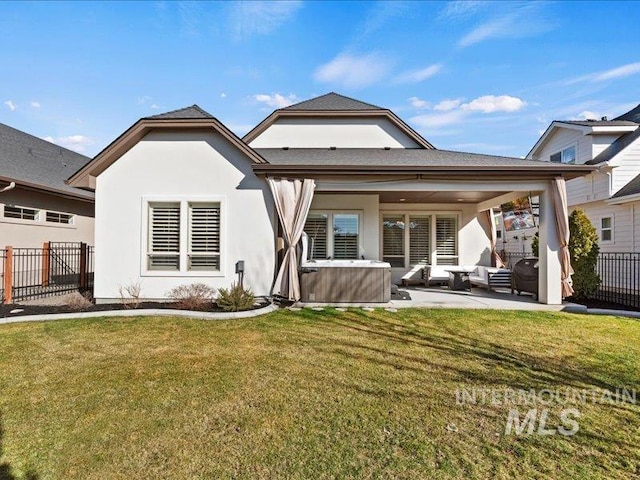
[442, 297]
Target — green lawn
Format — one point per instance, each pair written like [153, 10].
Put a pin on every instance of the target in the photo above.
[312, 395]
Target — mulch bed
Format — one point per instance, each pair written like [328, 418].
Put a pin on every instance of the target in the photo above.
[602, 304]
[102, 307]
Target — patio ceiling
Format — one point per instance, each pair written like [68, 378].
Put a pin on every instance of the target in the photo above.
[437, 197]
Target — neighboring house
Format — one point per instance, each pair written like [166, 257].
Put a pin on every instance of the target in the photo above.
[181, 199]
[610, 195]
[41, 207]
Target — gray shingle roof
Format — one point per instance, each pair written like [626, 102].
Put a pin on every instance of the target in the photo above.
[631, 188]
[408, 157]
[31, 160]
[632, 115]
[194, 111]
[599, 123]
[616, 147]
[331, 102]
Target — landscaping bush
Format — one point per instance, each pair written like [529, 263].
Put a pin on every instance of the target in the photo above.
[79, 302]
[584, 249]
[235, 299]
[130, 295]
[195, 296]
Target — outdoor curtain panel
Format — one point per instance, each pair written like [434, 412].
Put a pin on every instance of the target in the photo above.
[559, 198]
[488, 223]
[293, 200]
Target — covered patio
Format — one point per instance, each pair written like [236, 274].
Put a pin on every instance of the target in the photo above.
[441, 203]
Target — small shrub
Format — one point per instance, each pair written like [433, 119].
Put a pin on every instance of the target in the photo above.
[130, 295]
[584, 249]
[79, 302]
[235, 299]
[195, 296]
[535, 244]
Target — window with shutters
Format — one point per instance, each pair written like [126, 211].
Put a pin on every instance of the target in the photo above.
[204, 236]
[419, 239]
[393, 239]
[316, 230]
[345, 235]
[447, 239]
[333, 234]
[184, 237]
[164, 236]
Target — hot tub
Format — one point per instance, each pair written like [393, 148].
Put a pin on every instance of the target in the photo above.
[345, 281]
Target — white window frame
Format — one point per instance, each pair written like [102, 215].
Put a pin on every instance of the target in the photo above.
[562, 154]
[612, 229]
[38, 214]
[330, 214]
[433, 257]
[71, 216]
[184, 202]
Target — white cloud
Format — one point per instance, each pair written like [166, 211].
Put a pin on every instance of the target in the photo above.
[144, 99]
[611, 74]
[276, 100]
[223, 95]
[418, 104]
[460, 8]
[523, 21]
[353, 71]
[76, 143]
[416, 76]
[491, 103]
[10, 105]
[248, 18]
[446, 105]
[35, 104]
[154, 106]
[438, 119]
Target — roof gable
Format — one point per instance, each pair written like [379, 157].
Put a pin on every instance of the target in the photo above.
[631, 188]
[336, 106]
[615, 148]
[176, 120]
[194, 111]
[332, 102]
[632, 115]
[37, 163]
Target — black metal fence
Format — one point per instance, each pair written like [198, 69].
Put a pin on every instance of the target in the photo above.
[620, 276]
[30, 273]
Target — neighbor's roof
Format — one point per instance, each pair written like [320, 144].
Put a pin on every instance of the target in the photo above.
[410, 159]
[194, 111]
[631, 188]
[33, 162]
[632, 115]
[332, 102]
[599, 123]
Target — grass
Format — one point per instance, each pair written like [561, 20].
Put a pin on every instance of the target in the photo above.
[311, 395]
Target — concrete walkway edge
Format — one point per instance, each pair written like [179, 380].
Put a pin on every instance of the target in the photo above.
[142, 313]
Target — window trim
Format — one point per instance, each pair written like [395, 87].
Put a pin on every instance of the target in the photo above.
[407, 213]
[70, 215]
[184, 201]
[40, 220]
[330, 213]
[612, 229]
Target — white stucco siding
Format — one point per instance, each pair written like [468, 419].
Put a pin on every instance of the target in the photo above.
[187, 166]
[333, 132]
[33, 233]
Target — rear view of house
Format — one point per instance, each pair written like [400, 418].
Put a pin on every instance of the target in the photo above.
[180, 199]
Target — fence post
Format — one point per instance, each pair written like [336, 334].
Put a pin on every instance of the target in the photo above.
[83, 266]
[8, 275]
[46, 264]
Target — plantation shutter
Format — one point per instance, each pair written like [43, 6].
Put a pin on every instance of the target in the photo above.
[393, 228]
[419, 239]
[164, 236]
[345, 236]
[204, 236]
[316, 228]
[447, 240]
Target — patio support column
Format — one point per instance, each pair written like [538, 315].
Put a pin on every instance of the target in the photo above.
[550, 285]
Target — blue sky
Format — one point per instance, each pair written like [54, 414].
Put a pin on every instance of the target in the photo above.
[473, 76]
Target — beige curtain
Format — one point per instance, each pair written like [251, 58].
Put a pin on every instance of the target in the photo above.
[488, 223]
[293, 200]
[559, 199]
